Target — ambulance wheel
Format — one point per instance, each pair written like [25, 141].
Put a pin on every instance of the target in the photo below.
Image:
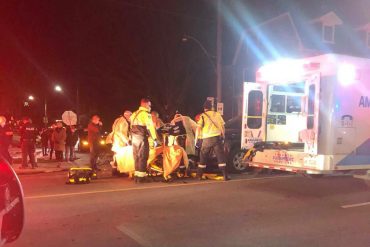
[235, 164]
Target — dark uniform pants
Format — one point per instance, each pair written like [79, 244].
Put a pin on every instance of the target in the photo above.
[209, 144]
[28, 150]
[140, 146]
[94, 154]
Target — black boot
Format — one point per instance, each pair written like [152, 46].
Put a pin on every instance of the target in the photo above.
[224, 173]
[142, 180]
[200, 172]
[182, 172]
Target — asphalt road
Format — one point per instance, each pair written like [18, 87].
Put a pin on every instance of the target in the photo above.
[263, 211]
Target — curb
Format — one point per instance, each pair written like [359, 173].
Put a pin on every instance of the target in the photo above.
[33, 172]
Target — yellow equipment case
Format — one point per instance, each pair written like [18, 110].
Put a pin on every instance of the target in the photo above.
[80, 175]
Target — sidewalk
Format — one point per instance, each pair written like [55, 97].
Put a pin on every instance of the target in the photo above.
[45, 165]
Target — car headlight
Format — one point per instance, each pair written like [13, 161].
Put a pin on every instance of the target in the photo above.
[85, 143]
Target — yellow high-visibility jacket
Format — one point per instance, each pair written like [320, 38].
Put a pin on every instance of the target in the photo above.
[142, 123]
[211, 124]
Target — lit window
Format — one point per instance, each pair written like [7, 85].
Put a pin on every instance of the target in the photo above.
[328, 33]
[255, 101]
[293, 104]
[311, 107]
[277, 103]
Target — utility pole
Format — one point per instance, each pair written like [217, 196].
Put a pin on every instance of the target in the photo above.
[219, 52]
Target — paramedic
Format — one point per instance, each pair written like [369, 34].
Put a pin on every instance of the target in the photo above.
[158, 125]
[141, 124]
[211, 127]
[28, 133]
[121, 130]
[6, 135]
[93, 136]
[120, 135]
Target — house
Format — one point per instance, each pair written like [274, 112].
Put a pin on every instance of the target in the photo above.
[290, 35]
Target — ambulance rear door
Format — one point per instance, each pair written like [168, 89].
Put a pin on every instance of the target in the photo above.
[254, 114]
[311, 135]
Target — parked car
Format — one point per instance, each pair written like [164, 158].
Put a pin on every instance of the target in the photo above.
[233, 150]
[83, 143]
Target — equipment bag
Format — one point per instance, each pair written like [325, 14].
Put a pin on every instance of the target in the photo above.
[78, 175]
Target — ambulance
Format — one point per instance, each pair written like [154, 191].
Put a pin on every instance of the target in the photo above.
[309, 115]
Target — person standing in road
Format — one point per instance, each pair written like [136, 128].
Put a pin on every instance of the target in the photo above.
[121, 130]
[6, 135]
[158, 124]
[59, 139]
[28, 141]
[51, 141]
[71, 141]
[93, 136]
[141, 126]
[120, 135]
[45, 140]
[211, 127]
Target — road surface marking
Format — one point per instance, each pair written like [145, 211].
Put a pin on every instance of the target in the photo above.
[141, 241]
[147, 187]
[356, 205]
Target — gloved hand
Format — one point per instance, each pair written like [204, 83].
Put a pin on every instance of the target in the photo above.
[198, 143]
[155, 143]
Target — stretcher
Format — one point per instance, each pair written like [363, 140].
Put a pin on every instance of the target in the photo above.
[172, 158]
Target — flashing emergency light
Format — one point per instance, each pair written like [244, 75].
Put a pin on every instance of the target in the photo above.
[346, 74]
[282, 71]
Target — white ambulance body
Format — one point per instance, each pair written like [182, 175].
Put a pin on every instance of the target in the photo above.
[312, 115]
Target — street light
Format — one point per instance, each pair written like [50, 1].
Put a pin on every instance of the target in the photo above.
[211, 58]
[186, 38]
[58, 88]
[31, 98]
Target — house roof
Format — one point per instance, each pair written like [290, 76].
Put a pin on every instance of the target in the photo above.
[365, 27]
[330, 19]
[310, 39]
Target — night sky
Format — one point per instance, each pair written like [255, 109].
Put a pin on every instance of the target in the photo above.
[117, 51]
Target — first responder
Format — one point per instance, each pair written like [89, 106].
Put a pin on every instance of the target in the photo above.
[121, 131]
[6, 135]
[158, 125]
[141, 126]
[120, 135]
[28, 141]
[211, 127]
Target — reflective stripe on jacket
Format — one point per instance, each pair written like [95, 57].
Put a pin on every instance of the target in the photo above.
[211, 123]
[142, 123]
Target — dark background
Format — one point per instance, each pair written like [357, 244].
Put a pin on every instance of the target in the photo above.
[117, 51]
